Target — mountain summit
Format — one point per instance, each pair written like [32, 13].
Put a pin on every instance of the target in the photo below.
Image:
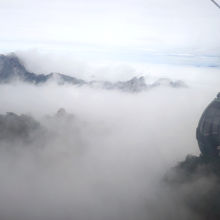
[12, 69]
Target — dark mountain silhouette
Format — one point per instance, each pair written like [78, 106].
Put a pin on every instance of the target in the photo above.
[12, 69]
[19, 128]
[195, 181]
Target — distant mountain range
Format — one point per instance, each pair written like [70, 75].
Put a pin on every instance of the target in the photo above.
[12, 69]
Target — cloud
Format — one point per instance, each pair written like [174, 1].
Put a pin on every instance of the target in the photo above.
[103, 161]
[106, 155]
[93, 29]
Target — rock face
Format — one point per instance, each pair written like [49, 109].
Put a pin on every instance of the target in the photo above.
[208, 130]
[191, 190]
[11, 68]
[195, 182]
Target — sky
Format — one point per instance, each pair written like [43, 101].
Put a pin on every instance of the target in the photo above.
[157, 31]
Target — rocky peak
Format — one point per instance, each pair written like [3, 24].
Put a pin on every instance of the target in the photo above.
[11, 68]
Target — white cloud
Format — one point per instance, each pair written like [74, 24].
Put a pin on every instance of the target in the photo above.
[168, 26]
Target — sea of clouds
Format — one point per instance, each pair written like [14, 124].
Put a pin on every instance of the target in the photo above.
[105, 158]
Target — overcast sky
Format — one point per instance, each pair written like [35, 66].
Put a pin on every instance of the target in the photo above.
[120, 29]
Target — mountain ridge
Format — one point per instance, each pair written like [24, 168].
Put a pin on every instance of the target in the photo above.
[12, 68]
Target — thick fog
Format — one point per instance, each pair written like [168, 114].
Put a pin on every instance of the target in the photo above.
[104, 156]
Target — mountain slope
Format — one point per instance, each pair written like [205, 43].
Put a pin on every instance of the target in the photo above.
[11, 69]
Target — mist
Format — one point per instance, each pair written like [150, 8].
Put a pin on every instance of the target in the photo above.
[99, 105]
[105, 155]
